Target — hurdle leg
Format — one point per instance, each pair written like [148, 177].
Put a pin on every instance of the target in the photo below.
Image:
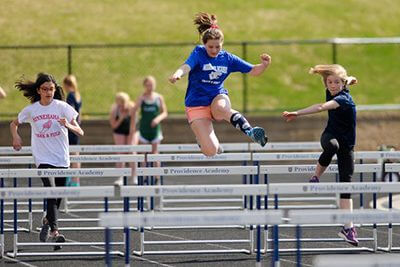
[361, 194]
[141, 229]
[108, 246]
[266, 231]
[258, 258]
[390, 230]
[244, 181]
[15, 241]
[374, 231]
[275, 258]
[126, 229]
[298, 245]
[65, 205]
[2, 221]
[30, 214]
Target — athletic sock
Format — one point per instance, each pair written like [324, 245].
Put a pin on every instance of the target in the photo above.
[239, 122]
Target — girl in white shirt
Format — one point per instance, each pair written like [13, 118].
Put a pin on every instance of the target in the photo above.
[50, 118]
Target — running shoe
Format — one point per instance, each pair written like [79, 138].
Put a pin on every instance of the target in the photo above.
[257, 134]
[57, 238]
[44, 231]
[349, 235]
[314, 179]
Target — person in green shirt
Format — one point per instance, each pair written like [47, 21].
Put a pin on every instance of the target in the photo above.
[153, 110]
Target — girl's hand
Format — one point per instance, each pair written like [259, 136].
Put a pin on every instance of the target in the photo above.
[63, 122]
[153, 123]
[174, 78]
[265, 59]
[289, 116]
[17, 143]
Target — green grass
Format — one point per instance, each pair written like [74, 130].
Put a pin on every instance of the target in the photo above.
[287, 84]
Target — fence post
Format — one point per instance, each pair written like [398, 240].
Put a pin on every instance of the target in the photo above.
[245, 85]
[69, 59]
[334, 53]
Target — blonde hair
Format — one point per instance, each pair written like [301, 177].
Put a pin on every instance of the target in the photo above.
[333, 69]
[70, 80]
[149, 78]
[124, 97]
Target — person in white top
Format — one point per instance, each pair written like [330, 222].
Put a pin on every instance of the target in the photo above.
[50, 118]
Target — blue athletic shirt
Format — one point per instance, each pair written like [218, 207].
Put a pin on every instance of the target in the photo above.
[342, 120]
[207, 75]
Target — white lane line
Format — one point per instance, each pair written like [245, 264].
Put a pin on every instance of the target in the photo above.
[131, 256]
[18, 261]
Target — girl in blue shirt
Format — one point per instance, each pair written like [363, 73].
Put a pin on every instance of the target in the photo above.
[206, 98]
[339, 135]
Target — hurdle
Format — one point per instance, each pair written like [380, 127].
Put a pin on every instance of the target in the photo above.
[244, 158]
[28, 160]
[282, 188]
[361, 216]
[26, 193]
[196, 218]
[323, 188]
[393, 167]
[191, 171]
[356, 260]
[267, 170]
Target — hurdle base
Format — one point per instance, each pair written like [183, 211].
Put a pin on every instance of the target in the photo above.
[88, 253]
[179, 242]
[173, 252]
[68, 244]
[318, 239]
[386, 249]
[291, 251]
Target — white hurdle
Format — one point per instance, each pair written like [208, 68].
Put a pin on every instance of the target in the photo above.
[202, 218]
[390, 168]
[29, 193]
[361, 216]
[193, 171]
[242, 158]
[297, 169]
[28, 160]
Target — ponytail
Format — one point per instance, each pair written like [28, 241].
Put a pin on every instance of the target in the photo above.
[207, 27]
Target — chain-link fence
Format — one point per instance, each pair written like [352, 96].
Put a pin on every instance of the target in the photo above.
[103, 70]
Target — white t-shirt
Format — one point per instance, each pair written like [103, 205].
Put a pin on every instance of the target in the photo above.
[49, 139]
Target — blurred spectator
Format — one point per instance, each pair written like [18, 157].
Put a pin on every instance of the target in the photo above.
[2, 93]
[152, 111]
[74, 99]
[122, 121]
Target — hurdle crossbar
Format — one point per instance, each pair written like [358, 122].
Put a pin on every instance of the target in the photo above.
[193, 171]
[356, 260]
[77, 158]
[333, 168]
[84, 172]
[170, 218]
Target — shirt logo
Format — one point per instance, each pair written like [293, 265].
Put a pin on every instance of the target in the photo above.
[217, 71]
[46, 126]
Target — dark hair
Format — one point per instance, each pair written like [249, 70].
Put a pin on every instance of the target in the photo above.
[207, 27]
[30, 88]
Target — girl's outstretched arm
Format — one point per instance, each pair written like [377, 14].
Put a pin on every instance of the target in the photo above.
[17, 141]
[259, 68]
[289, 116]
[179, 73]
